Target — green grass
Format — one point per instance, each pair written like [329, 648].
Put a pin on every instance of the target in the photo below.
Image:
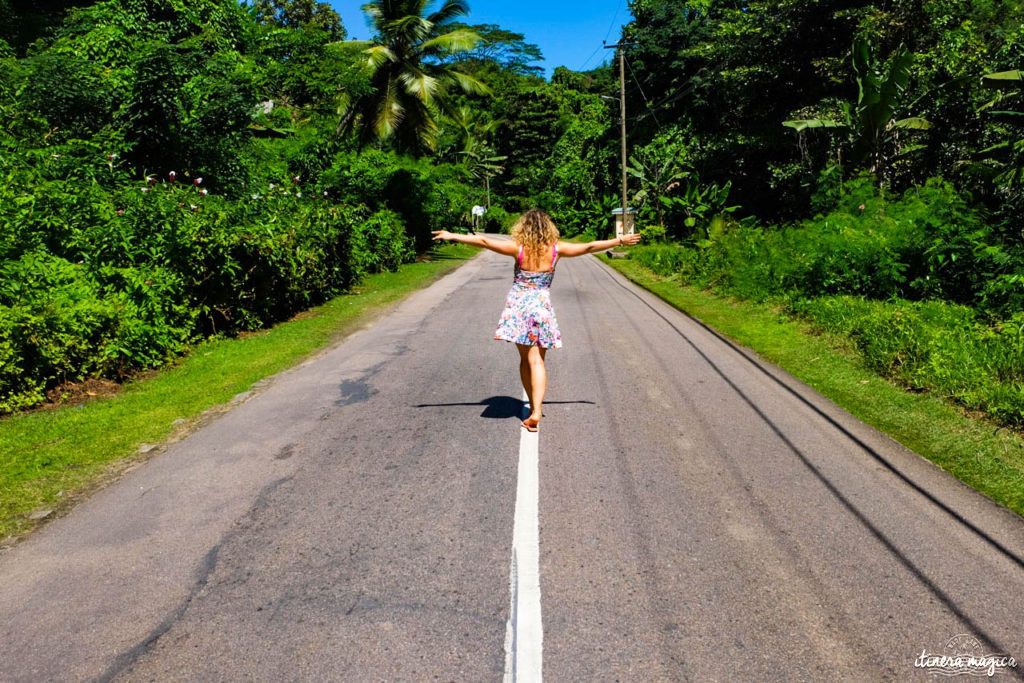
[985, 457]
[49, 458]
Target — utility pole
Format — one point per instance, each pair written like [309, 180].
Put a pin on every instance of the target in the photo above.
[620, 46]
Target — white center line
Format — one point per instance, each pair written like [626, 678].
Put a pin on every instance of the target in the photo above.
[524, 633]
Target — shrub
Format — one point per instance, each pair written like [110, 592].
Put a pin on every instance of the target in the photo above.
[664, 259]
[933, 345]
[381, 243]
[125, 279]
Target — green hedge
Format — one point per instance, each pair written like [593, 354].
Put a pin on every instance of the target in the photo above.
[103, 282]
[928, 294]
[933, 345]
[926, 244]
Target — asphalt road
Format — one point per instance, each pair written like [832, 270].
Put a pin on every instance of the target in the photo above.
[703, 516]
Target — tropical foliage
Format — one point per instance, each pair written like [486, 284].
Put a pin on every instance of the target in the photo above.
[175, 169]
[409, 85]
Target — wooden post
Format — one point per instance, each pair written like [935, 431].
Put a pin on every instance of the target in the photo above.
[622, 121]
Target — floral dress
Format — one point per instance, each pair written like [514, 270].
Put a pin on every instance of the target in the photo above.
[528, 317]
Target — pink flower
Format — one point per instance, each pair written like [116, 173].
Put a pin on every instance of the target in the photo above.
[120, 212]
[151, 179]
[172, 175]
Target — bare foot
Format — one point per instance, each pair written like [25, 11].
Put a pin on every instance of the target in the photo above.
[531, 423]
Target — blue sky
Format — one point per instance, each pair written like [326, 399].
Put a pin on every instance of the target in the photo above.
[567, 31]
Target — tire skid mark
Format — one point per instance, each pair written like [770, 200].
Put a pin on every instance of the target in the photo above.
[889, 545]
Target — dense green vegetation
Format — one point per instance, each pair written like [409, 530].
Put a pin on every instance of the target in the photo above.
[857, 163]
[176, 170]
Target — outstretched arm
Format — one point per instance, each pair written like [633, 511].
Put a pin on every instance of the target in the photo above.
[506, 247]
[570, 249]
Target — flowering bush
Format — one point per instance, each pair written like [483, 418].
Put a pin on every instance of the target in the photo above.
[102, 281]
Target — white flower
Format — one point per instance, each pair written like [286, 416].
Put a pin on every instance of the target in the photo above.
[325, 193]
[172, 175]
[144, 189]
[203, 192]
[271, 186]
[298, 194]
[255, 197]
[197, 181]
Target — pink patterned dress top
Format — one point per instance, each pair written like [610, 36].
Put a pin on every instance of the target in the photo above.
[528, 317]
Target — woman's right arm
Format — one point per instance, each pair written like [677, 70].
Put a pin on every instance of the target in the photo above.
[570, 249]
[506, 247]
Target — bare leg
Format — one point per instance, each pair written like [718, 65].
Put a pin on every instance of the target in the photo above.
[538, 382]
[524, 368]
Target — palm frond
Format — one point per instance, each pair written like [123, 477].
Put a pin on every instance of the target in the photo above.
[448, 12]
[375, 13]
[451, 43]
[378, 55]
[389, 112]
[420, 85]
[410, 29]
[469, 85]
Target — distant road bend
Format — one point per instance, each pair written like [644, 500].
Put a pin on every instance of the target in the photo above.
[686, 512]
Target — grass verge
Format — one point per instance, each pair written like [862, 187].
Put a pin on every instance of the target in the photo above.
[978, 453]
[50, 458]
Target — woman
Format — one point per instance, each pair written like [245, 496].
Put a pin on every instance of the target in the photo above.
[528, 320]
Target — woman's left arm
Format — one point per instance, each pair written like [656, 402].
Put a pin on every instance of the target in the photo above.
[506, 247]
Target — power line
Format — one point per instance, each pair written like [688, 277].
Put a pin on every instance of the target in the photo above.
[607, 33]
[642, 94]
[614, 17]
[589, 58]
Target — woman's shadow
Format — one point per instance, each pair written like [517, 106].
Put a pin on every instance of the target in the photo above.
[500, 407]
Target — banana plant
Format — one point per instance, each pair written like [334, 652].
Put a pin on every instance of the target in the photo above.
[671, 189]
[874, 123]
[1010, 153]
[661, 168]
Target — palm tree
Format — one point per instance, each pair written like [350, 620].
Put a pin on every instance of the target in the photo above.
[408, 77]
[473, 133]
[484, 167]
[473, 128]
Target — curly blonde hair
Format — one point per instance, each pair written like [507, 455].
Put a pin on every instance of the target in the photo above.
[535, 231]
